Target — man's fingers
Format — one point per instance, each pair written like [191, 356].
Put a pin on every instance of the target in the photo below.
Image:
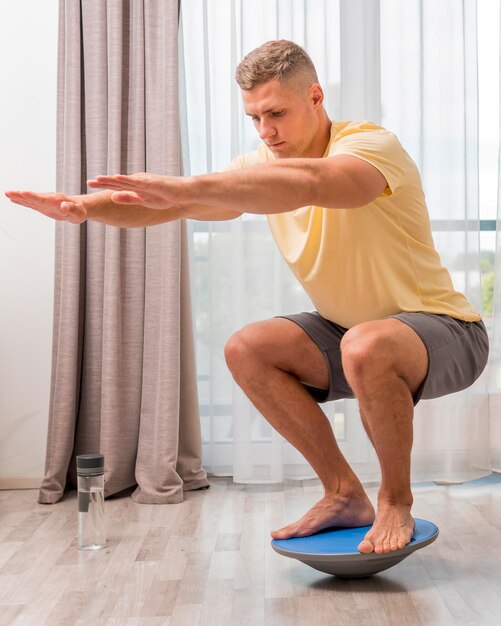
[29, 200]
[39, 199]
[29, 194]
[104, 184]
[27, 203]
[19, 200]
[17, 197]
[51, 205]
[112, 184]
[115, 182]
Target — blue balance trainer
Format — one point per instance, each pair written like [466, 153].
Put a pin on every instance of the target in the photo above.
[335, 551]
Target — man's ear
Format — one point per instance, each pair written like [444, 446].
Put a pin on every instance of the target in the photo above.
[316, 95]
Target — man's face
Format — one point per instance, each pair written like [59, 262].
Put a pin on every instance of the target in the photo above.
[285, 116]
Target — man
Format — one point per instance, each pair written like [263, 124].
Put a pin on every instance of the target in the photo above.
[346, 208]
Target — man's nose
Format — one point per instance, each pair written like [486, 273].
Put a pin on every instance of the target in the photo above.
[266, 130]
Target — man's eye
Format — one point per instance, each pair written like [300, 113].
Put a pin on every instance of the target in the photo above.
[278, 113]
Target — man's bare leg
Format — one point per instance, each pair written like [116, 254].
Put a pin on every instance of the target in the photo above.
[385, 362]
[383, 377]
[268, 361]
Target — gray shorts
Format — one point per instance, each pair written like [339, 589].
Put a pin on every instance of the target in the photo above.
[457, 352]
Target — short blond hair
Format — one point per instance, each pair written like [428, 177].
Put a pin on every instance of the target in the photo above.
[279, 60]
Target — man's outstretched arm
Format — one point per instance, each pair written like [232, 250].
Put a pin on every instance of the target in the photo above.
[100, 207]
[279, 186]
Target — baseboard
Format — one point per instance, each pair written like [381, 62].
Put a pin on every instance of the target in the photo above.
[19, 483]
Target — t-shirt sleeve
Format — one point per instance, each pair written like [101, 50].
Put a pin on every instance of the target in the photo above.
[379, 148]
[242, 161]
[238, 163]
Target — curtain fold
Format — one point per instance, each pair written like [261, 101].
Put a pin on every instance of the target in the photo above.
[124, 380]
[412, 67]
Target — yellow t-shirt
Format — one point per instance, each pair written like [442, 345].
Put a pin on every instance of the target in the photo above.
[376, 260]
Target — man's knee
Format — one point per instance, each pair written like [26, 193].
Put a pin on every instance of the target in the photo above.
[241, 346]
[378, 349]
[233, 350]
[364, 352]
[280, 344]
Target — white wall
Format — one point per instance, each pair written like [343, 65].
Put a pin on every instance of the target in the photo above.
[28, 70]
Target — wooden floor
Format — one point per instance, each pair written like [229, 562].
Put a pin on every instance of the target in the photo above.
[209, 561]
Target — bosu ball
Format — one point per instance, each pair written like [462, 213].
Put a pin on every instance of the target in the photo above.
[335, 550]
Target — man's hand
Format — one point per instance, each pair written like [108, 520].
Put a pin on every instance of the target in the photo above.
[58, 206]
[100, 207]
[155, 192]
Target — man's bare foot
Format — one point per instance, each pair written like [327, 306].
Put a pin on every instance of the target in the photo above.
[392, 529]
[331, 511]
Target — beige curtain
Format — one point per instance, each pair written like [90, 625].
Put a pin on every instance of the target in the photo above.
[123, 380]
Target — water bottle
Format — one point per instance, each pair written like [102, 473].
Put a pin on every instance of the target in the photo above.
[91, 525]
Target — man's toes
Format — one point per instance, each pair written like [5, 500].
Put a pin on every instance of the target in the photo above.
[366, 546]
[281, 533]
[286, 532]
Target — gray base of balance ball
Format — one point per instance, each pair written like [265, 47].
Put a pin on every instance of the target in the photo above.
[335, 551]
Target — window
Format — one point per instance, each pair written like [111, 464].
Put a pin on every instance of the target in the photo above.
[428, 98]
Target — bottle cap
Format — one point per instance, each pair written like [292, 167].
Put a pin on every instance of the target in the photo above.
[90, 464]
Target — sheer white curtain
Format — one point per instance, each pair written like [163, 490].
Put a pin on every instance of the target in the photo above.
[493, 145]
[430, 99]
[413, 69]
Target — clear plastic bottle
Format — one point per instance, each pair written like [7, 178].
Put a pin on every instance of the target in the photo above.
[91, 522]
